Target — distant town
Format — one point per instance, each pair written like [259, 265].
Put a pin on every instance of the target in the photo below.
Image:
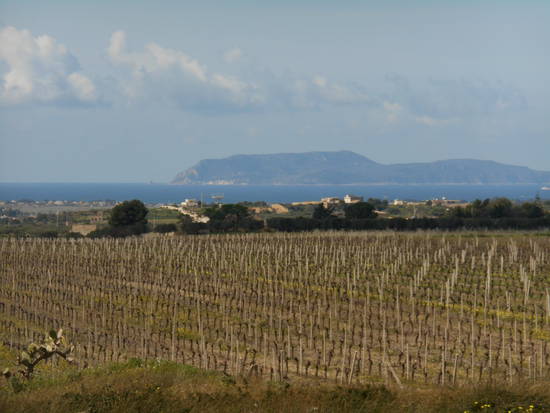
[30, 217]
[191, 206]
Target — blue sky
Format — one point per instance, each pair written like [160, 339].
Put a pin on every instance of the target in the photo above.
[134, 91]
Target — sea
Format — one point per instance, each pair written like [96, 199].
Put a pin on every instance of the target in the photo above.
[154, 193]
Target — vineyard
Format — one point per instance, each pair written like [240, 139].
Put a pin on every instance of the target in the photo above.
[430, 308]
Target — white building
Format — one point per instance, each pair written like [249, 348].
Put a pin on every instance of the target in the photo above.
[352, 199]
[190, 203]
[328, 201]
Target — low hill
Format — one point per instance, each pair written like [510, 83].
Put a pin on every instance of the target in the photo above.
[345, 167]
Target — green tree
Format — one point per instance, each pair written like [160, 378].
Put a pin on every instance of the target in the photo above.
[128, 213]
[500, 208]
[360, 210]
[378, 204]
[127, 218]
[458, 212]
[222, 212]
[531, 210]
[320, 212]
[229, 218]
[188, 226]
[165, 228]
[477, 209]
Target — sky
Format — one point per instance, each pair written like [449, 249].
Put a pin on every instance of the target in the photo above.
[137, 91]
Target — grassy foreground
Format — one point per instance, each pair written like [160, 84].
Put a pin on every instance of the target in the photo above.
[164, 387]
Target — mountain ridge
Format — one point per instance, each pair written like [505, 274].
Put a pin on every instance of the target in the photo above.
[346, 168]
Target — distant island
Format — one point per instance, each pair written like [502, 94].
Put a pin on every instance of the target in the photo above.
[345, 168]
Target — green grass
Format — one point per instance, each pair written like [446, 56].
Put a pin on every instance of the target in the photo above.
[163, 387]
[31, 229]
[158, 221]
[160, 213]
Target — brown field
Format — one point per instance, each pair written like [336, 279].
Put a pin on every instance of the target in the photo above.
[351, 308]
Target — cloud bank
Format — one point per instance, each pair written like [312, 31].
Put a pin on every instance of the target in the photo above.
[41, 70]
[165, 73]
[172, 74]
[442, 101]
[233, 55]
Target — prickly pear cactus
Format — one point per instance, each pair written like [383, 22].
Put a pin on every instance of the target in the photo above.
[54, 343]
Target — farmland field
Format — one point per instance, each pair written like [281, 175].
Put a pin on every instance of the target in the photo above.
[432, 308]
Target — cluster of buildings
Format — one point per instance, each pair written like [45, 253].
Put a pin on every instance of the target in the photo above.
[278, 208]
[190, 203]
[433, 202]
[189, 208]
[332, 201]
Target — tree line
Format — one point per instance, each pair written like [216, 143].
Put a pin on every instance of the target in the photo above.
[499, 208]
[129, 218]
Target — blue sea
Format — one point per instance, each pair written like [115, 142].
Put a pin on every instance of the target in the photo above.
[165, 193]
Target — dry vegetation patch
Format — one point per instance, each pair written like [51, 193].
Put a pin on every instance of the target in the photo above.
[166, 387]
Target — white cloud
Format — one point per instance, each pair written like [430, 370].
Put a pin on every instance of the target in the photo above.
[427, 120]
[154, 58]
[40, 70]
[230, 83]
[317, 91]
[83, 87]
[392, 107]
[430, 121]
[337, 94]
[232, 55]
[393, 110]
[164, 72]
[320, 81]
[438, 100]
[117, 45]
